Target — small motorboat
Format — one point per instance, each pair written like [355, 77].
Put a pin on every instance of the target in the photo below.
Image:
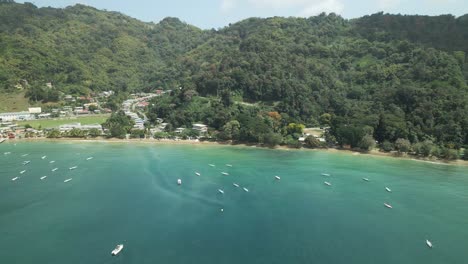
[43, 177]
[15, 178]
[179, 182]
[197, 173]
[327, 183]
[388, 206]
[224, 173]
[26, 162]
[326, 174]
[429, 243]
[24, 155]
[52, 161]
[220, 191]
[245, 189]
[89, 158]
[74, 167]
[117, 250]
[43, 157]
[222, 210]
[236, 185]
[388, 189]
[6, 153]
[365, 179]
[23, 171]
[67, 180]
[54, 169]
[211, 165]
[278, 177]
[229, 165]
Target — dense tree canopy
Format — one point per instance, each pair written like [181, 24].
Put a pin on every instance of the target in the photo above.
[383, 77]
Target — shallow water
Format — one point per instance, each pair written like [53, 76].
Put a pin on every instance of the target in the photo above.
[129, 194]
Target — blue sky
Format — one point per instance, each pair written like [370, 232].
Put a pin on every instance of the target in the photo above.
[219, 13]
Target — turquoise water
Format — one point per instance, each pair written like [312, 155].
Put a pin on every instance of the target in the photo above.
[128, 194]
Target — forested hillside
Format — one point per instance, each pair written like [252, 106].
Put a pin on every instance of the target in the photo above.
[388, 76]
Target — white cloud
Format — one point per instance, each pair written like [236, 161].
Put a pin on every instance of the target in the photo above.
[327, 6]
[227, 5]
[308, 7]
[388, 4]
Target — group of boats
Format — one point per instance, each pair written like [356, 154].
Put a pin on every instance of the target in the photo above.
[387, 205]
[179, 181]
[26, 162]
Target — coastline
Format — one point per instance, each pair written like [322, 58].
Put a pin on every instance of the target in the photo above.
[373, 153]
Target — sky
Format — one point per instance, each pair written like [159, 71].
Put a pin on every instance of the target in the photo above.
[209, 14]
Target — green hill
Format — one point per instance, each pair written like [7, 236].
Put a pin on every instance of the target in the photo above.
[399, 76]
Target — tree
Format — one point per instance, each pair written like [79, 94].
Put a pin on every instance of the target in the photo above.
[94, 132]
[402, 145]
[294, 128]
[367, 143]
[231, 130]
[272, 139]
[119, 124]
[312, 142]
[325, 119]
[54, 133]
[386, 146]
[92, 108]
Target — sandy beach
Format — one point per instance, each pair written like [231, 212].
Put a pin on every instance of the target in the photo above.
[375, 153]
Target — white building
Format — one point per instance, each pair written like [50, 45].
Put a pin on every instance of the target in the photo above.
[16, 116]
[35, 110]
[68, 127]
[200, 128]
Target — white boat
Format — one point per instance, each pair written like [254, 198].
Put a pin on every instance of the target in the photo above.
[388, 189]
[26, 162]
[365, 179]
[211, 165]
[229, 165]
[179, 181]
[117, 250]
[89, 158]
[221, 191]
[23, 171]
[327, 183]
[54, 169]
[15, 178]
[245, 189]
[429, 243]
[235, 184]
[278, 177]
[224, 173]
[197, 173]
[6, 153]
[74, 167]
[24, 155]
[67, 180]
[325, 174]
[52, 161]
[43, 177]
[388, 206]
[43, 157]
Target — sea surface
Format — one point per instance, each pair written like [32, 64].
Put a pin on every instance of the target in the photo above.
[128, 194]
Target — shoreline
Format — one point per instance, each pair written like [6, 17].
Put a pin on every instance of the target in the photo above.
[373, 153]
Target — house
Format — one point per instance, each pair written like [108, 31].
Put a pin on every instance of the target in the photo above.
[16, 116]
[179, 130]
[200, 128]
[35, 110]
[68, 127]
